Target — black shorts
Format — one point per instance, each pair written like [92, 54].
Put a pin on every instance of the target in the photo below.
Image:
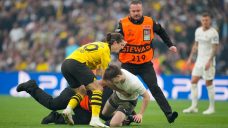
[77, 73]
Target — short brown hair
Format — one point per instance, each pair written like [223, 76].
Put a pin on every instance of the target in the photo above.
[111, 72]
[206, 14]
[111, 37]
[135, 2]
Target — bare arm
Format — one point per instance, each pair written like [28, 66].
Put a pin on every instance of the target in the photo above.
[193, 51]
[214, 51]
[213, 54]
[146, 99]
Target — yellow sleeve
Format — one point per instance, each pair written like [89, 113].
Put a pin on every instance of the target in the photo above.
[106, 59]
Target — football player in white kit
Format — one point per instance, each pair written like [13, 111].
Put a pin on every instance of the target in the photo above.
[120, 105]
[206, 44]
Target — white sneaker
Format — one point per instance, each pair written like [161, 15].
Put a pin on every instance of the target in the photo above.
[95, 122]
[190, 110]
[209, 111]
[67, 115]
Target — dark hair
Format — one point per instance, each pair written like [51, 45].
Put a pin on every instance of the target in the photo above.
[206, 14]
[135, 2]
[111, 37]
[111, 72]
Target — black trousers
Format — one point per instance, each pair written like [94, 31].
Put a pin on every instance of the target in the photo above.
[60, 102]
[147, 73]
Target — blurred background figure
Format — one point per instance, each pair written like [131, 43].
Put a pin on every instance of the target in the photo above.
[206, 46]
[71, 46]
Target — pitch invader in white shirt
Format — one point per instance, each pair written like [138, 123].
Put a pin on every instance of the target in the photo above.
[206, 44]
[123, 101]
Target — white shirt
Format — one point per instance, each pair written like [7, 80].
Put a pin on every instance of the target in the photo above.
[132, 85]
[16, 34]
[205, 40]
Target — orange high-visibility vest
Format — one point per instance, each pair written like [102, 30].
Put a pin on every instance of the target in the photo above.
[138, 37]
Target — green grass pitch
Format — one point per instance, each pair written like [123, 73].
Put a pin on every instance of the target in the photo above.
[26, 113]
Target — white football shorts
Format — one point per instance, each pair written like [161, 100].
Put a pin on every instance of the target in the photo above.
[205, 74]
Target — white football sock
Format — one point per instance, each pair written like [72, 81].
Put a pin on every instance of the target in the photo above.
[211, 95]
[194, 95]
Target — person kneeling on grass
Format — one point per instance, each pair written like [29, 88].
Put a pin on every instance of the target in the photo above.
[84, 108]
[120, 105]
[60, 102]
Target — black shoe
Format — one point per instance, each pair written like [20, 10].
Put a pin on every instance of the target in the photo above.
[49, 118]
[171, 117]
[129, 120]
[107, 122]
[24, 86]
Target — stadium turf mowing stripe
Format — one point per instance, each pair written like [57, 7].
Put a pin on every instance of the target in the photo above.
[26, 113]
